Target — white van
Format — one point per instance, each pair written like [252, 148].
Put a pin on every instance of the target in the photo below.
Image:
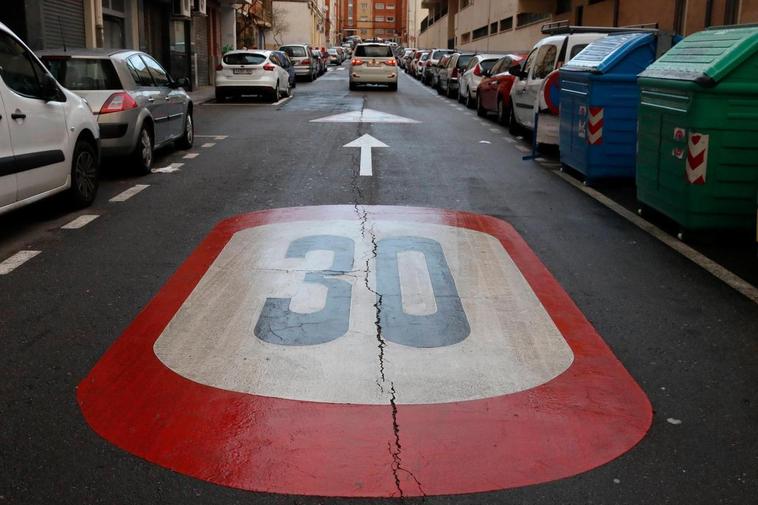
[48, 135]
[548, 54]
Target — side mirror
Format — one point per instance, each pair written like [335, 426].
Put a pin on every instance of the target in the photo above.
[515, 70]
[182, 82]
[49, 88]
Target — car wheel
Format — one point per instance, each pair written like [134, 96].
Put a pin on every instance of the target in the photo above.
[450, 92]
[220, 95]
[393, 87]
[275, 95]
[503, 116]
[480, 110]
[188, 137]
[470, 102]
[513, 127]
[439, 89]
[353, 86]
[460, 96]
[143, 152]
[288, 91]
[84, 169]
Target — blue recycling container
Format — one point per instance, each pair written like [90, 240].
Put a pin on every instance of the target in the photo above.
[599, 98]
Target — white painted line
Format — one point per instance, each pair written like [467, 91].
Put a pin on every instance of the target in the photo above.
[280, 102]
[726, 276]
[80, 222]
[217, 137]
[509, 140]
[191, 156]
[125, 195]
[522, 148]
[366, 143]
[15, 261]
[221, 137]
[174, 167]
[495, 130]
[485, 142]
[208, 144]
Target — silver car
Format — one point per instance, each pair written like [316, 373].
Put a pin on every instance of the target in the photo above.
[306, 66]
[138, 106]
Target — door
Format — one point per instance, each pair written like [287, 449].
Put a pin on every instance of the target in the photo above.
[173, 99]
[8, 185]
[488, 87]
[522, 107]
[544, 63]
[150, 97]
[37, 127]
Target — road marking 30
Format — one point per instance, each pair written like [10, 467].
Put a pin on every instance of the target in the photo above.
[125, 195]
[15, 261]
[80, 222]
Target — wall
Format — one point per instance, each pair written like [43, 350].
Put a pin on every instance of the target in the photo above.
[299, 22]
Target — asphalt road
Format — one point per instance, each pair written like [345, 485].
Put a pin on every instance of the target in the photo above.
[690, 341]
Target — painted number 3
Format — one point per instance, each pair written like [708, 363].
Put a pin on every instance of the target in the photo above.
[448, 325]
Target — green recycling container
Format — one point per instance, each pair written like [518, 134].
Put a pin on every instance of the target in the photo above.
[697, 150]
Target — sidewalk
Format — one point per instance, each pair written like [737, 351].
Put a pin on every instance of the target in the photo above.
[202, 94]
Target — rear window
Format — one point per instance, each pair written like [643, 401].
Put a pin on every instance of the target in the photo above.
[84, 73]
[464, 59]
[332, 51]
[424, 56]
[577, 49]
[436, 55]
[487, 64]
[296, 51]
[374, 51]
[244, 58]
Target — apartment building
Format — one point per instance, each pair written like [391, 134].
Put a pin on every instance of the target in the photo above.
[514, 25]
[369, 19]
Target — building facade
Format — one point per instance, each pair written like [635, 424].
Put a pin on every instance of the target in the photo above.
[299, 21]
[514, 25]
[374, 19]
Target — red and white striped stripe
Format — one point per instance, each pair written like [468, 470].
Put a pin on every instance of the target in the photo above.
[697, 158]
[595, 126]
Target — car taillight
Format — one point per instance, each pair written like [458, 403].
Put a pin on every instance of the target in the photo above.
[118, 102]
[455, 72]
[305, 62]
[478, 70]
[268, 67]
[390, 63]
[219, 67]
[356, 61]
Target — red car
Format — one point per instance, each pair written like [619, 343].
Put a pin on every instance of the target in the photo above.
[494, 91]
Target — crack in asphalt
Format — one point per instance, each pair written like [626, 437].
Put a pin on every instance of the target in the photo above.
[395, 447]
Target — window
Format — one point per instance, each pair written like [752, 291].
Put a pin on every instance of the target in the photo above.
[378, 6]
[466, 38]
[84, 73]
[465, 3]
[364, 18]
[18, 68]
[160, 77]
[545, 61]
[139, 71]
[576, 50]
[390, 19]
[390, 7]
[530, 61]
[480, 32]
[493, 28]
[464, 60]
[294, 51]
[244, 58]
[527, 18]
[373, 51]
[379, 19]
[506, 24]
[488, 64]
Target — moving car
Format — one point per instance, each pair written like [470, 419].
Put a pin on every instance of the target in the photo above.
[373, 64]
[334, 56]
[48, 135]
[547, 55]
[449, 75]
[472, 76]
[306, 67]
[138, 105]
[252, 72]
[494, 91]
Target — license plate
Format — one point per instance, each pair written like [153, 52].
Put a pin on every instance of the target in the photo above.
[374, 63]
[242, 70]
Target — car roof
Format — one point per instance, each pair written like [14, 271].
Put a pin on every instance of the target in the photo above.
[84, 52]
[264, 52]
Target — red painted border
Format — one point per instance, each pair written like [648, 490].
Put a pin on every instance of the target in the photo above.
[587, 416]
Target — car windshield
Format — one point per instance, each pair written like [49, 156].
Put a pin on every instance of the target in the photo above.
[439, 54]
[487, 64]
[83, 73]
[374, 51]
[244, 58]
[463, 60]
[424, 56]
[296, 51]
[332, 51]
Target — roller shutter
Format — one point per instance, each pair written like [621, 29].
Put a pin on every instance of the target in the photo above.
[63, 20]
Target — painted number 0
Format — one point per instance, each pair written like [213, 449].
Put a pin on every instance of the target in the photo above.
[277, 324]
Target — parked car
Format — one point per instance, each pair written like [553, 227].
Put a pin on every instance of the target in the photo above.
[322, 63]
[288, 66]
[547, 55]
[473, 75]
[252, 72]
[438, 70]
[494, 91]
[430, 69]
[448, 76]
[373, 64]
[306, 67]
[334, 56]
[418, 67]
[407, 53]
[48, 135]
[138, 105]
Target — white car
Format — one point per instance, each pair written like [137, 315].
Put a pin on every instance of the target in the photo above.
[473, 75]
[247, 72]
[547, 55]
[373, 64]
[49, 138]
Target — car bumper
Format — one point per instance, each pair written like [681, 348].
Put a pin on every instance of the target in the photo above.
[303, 71]
[264, 80]
[244, 90]
[374, 76]
[118, 133]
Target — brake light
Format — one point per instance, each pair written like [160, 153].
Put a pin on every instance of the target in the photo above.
[478, 70]
[118, 102]
[455, 72]
[357, 62]
[390, 63]
[305, 62]
[219, 67]
[268, 67]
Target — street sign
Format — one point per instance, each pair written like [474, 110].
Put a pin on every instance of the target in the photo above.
[365, 351]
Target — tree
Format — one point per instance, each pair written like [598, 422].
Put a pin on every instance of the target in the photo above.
[279, 24]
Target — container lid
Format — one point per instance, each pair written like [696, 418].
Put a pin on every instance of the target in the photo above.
[604, 54]
[706, 57]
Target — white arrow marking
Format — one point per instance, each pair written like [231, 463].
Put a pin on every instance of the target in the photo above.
[366, 143]
[364, 116]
